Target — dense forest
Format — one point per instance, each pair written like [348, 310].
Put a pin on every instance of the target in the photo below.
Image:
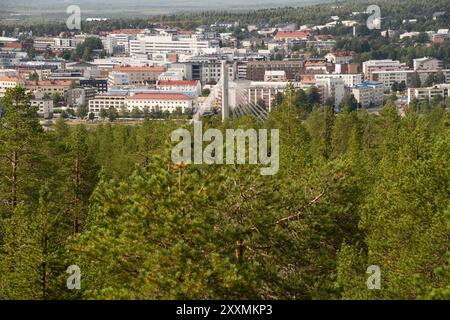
[354, 189]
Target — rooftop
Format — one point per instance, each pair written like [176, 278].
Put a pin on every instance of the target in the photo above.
[159, 96]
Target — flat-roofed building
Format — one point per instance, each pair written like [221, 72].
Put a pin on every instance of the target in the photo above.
[256, 70]
[160, 101]
[369, 93]
[142, 75]
[146, 44]
[429, 93]
[106, 101]
[191, 87]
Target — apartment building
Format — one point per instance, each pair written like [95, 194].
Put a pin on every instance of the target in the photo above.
[389, 77]
[370, 65]
[7, 83]
[45, 107]
[43, 43]
[257, 69]
[106, 101]
[333, 89]
[66, 43]
[427, 63]
[48, 86]
[190, 87]
[428, 93]
[101, 85]
[369, 93]
[116, 78]
[141, 75]
[80, 96]
[340, 57]
[160, 101]
[350, 80]
[120, 40]
[264, 92]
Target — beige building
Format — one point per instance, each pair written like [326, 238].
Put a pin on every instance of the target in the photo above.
[369, 93]
[428, 93]
[141, 75]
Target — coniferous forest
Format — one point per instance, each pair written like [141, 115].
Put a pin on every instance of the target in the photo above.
[353, 190]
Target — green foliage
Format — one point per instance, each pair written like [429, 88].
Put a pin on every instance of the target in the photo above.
[354, 189]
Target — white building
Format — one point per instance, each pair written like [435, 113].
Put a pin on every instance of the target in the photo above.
[367, 65]
[190, 87]
[7, 83]
[121, 40]
[275, 75]
[160, 101]
[340, 57]
[389, 77]
[428, 93]
[333, 89]
[45, 107]
[66, 43]
[171, 75]
[106, 101]
[369, 93]
[168, 44]
[116, 78]
[427, 63]
[350, 80]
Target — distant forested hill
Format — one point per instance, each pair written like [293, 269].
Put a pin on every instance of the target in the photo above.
[140, 6]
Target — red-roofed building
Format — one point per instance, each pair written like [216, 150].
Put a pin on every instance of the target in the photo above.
[292, 35]
[340, 57]
[12, 46]
[191, 87]
[142, 75]
[160, 101]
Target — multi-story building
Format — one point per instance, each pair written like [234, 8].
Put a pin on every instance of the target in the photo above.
[141, 75]
[292, 35]
[101, 85]
[275, 75]
[389, 77]
[160, 101]
[8, 83]
[43, 43]
[66, 43]
[369, 93]
[45, 107]
[190, 87]
[332, 90]
[120, 40]
[145, 44]
[350, 80]
[262, 92]
[370, 65]
[48, 86]
[429, 93]
[80, 96]
[105, 101]
[427, 63]
[340, 57]
[116, 78]
[257, 69]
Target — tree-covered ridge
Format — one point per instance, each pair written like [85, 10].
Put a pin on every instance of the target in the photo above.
[393, 14]
[354, 189]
